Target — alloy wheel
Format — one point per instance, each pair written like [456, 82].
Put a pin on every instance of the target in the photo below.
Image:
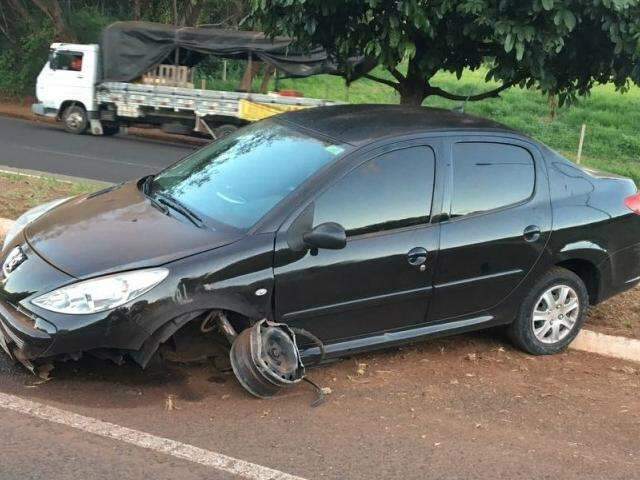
[555, 314]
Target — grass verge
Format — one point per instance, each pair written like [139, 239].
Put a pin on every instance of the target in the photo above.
[19, 193]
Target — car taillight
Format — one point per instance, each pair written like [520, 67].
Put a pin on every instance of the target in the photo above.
[633, 203]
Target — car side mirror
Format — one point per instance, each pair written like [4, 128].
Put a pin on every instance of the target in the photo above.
[329, 235]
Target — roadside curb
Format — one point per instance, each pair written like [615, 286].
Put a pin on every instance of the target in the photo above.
[5, 226]
[24, 172]
[623, 348]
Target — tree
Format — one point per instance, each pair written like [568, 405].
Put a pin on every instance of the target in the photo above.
[52, 9]
[562, 47]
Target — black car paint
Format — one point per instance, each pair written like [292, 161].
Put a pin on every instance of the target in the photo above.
[336, 294]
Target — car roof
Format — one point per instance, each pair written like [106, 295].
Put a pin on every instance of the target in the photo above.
[361, 124]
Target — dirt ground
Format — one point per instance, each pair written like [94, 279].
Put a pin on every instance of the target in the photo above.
[466, 407]
[619, 315]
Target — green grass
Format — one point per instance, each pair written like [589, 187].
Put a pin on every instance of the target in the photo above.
[612, 141]
[18, 193]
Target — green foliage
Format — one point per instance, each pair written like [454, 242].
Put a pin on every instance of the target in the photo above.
[612, 141]
[563, 47]
[26, 33]
[22, 58]
[87, 23]
[20, 64]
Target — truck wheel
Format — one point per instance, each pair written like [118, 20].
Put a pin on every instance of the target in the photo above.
[552, 314]
[75, 119]
[224, 130]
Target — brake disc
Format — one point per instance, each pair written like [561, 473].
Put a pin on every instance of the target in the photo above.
[265, 358]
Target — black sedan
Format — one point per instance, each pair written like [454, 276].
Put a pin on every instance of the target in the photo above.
[364, 226]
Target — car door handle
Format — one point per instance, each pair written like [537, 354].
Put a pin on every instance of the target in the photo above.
[417, 256]
[532, 233]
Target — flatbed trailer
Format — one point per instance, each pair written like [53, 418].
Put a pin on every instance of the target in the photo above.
[210, 110]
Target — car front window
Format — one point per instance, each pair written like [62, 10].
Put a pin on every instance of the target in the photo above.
[238, 179]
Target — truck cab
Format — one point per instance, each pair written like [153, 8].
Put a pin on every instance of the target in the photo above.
[66, 85]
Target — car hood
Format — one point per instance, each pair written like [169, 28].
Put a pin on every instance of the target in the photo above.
[116, 229]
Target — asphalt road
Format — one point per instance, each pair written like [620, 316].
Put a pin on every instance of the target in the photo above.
[48, 148]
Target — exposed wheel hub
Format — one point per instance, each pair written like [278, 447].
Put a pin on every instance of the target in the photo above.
[265, 359]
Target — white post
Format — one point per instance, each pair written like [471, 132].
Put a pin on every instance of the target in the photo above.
[224, 70]
[582, 132]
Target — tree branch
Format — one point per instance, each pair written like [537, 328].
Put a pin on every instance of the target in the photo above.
[384, 81]
[20, 9]
[481, 96]
[396, 74]
[51, 8]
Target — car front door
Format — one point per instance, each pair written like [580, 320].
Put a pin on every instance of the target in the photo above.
[498, 225]
[382, 279]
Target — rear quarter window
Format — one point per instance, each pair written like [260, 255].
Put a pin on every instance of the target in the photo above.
[488, 176]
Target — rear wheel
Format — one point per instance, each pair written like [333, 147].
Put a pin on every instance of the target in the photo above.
[552, 314]
[224, 130]
[75, 119]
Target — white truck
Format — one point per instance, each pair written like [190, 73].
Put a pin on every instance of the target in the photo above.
[70, 88]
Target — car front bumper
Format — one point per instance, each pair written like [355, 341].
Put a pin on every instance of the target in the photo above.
[24, 337]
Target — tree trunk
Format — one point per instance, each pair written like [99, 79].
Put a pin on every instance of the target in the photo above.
[413, 87]
[137, 9]
[268, 73]
[191, 13]
[251, 70]
[51, 8]
[412, 95]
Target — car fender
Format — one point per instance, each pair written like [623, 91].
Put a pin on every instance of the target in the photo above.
[587, 250]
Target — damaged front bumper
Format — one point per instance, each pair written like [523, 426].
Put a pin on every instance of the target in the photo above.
[24, 337]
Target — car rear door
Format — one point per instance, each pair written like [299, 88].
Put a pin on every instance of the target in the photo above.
[498, 223]
[382, 279]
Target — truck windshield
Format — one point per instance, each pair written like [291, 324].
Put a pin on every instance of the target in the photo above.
[238, 179]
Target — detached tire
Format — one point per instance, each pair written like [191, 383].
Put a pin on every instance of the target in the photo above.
[75, 119]
[552, 314]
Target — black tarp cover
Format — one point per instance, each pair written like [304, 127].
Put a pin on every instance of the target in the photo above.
[130, 49]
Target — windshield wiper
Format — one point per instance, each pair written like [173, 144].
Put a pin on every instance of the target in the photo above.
[146, 190]
[146, 185]
[178, 206]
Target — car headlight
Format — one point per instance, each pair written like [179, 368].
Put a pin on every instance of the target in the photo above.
[100, 294]
[28, 217]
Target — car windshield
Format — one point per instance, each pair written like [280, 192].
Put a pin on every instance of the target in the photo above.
[238, 179]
